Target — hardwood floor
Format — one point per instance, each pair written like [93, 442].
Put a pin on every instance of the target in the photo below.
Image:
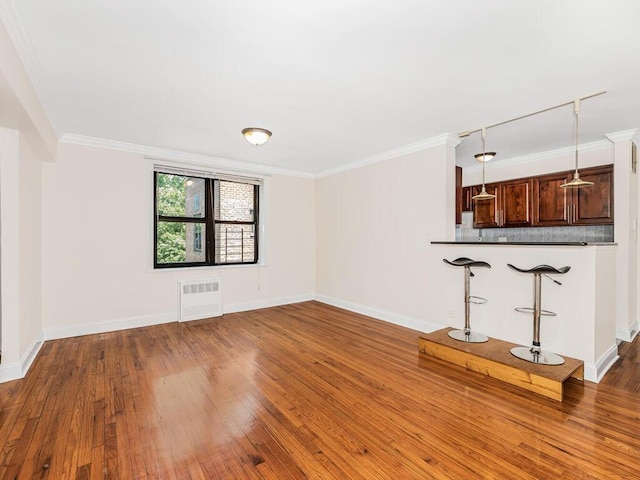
[301, 391]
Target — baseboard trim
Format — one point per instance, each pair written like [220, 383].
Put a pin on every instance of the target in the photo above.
[160, 318]
[627, 334]
[109, 326]
[17, 370]
[396, 319]
[267, 303]
[595, 372]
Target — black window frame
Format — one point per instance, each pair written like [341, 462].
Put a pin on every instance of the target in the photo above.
[208, 220]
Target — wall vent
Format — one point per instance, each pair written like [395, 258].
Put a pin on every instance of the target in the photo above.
[199, 299]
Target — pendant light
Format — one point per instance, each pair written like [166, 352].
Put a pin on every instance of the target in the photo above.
[576, 182]
[484, 157]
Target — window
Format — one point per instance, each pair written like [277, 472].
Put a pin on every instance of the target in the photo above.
[197, 238]
[204, 221]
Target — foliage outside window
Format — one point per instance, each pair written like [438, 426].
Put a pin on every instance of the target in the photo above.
[204, 221]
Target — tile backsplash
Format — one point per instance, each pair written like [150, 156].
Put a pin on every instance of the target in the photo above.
[589, 233]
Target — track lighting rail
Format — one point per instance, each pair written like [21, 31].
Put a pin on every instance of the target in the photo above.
[466, 133]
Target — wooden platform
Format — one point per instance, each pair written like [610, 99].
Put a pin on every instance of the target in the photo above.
[494, 359]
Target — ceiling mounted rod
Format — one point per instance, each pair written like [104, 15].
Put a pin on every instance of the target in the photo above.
[466, 133]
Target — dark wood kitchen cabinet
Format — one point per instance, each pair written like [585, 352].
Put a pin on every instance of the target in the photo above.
[594, 205]
[550, 201]
[467, 203]
[515, 203]
[541, 202]
[556, 206]
[510, 208]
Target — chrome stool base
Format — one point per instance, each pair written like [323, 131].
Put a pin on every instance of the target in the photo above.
[469, 337]
[534, 353]
[533, 356]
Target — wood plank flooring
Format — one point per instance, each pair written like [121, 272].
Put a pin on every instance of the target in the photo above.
[301, 391]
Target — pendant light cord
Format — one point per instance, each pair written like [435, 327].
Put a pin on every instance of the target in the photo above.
[484, 158]
[576, 109]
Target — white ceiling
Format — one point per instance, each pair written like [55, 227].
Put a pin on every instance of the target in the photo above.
[337, 81]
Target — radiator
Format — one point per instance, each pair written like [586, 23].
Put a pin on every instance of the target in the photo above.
[199, 299]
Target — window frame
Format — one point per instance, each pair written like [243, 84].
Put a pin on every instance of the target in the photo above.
[255, 223]
[209, 243]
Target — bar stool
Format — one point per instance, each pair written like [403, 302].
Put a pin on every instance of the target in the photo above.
[535, 354]
[467, 335]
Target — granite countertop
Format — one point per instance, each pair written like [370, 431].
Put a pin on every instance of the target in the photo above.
[542, 244]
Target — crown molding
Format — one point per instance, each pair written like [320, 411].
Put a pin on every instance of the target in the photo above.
[536, 157]
[175, 155]
[15, 28]
[444, 139]
[622, 136]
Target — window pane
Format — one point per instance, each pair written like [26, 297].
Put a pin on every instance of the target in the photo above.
[235, 243]
[196, 237]
[180, 196]
[176, 242]
[234, 201]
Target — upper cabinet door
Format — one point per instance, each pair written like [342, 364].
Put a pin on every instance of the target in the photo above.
[485, 212]
[515, 203]
[594, 205]
[467, 203]
[551, 204]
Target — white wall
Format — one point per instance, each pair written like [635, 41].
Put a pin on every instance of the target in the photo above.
[374, 226]
[97, 247]
[625, 234]
[30, 201]
[20, 253]
[10, 245]
[26, 140]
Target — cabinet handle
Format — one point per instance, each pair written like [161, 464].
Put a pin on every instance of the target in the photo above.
[575, 213]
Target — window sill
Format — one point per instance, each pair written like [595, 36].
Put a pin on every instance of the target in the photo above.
[207, 267]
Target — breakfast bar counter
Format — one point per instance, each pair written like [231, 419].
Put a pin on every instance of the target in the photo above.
[585, 302]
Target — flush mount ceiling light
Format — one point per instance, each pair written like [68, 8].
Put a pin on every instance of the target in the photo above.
[576, 182]
[484, 157]
[256, 136]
